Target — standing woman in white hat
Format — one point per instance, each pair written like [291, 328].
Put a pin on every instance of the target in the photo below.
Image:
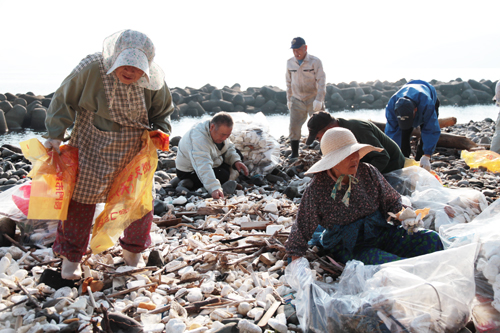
[350, 201]
[111, 98]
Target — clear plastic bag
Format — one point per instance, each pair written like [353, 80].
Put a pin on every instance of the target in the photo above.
[14, 204]
[447, 206]
[429, 293]
[250, 135]
[486, 232]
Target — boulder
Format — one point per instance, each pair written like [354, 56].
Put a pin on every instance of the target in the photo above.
[238, 100]
[5, 106]
[46, 102]
[228, 96]
[216, 95]
[15, 117]
[10, 97]
[482, 96]
[3, 123]
[249, 99]
[20, 101]
[479, 86]
[268, 107]
[225, 106]
[347, 93]
[455, 100]
[259, 101]
[37, 119]
[177, 98]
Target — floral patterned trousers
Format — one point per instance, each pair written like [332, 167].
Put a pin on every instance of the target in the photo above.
[72, 237]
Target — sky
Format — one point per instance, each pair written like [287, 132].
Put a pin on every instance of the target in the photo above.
[248, 42]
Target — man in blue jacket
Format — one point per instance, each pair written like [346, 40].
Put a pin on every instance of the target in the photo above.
[415, 104]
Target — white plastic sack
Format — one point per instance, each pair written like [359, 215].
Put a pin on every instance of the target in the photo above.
[429, 293]
[250, 135]
[447, 206]
[485, 230]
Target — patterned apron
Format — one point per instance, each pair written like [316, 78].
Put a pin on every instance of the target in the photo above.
[102, 155]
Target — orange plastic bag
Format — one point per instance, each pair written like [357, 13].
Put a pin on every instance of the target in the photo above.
[53, 180]
[130, 197]
[485, 158]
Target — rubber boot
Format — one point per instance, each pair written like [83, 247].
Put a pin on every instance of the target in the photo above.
[71, 270]
[295, 148]
[133, 259]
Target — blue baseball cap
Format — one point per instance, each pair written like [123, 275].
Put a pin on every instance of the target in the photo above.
[297, 42]
[404, 112]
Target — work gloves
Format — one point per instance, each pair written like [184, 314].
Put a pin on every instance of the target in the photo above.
[53, 144]
[425, 162]
[317, 105]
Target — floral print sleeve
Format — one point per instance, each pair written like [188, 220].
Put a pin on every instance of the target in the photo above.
[317, 207]
[306, 223]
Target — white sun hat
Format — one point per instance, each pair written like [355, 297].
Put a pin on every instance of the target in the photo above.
[336, 144]
[133, 48]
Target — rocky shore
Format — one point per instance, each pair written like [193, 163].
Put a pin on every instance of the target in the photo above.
[213, 266]
[28, 110]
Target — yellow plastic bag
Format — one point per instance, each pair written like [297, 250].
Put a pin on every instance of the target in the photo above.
[485, 158]
[130, 197]
[53, 180]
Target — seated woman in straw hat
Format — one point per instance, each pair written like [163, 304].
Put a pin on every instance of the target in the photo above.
[351, 201]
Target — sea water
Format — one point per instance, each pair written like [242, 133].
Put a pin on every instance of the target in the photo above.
[278, 123]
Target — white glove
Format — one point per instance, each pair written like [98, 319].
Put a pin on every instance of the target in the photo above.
[289, 105]
[317, 105]
[53, 143]
[425, 162]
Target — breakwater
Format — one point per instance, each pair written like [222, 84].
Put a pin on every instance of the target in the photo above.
[18, 111]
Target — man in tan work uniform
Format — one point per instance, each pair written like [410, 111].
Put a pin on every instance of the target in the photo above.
[305, 88]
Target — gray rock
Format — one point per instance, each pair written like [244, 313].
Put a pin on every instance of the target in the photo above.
[490, 193]
[20, 101]
[473, 129]
[292, 192]
[181, 190]
[174, 182]
[229, 187]
[163, 175]
[155, 259]
[228, 328]
[37, 119]
[160, 207]
[15, 117]
[8, 227]
[485, 140]
[187, 183]
[274, 178]
[167, 163]
[5, 106]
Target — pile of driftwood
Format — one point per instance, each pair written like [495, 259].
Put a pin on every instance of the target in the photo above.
[216, 263]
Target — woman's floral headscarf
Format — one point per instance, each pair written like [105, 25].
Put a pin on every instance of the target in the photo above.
[133, 48]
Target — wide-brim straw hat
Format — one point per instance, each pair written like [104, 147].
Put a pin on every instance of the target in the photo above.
[336, 144]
